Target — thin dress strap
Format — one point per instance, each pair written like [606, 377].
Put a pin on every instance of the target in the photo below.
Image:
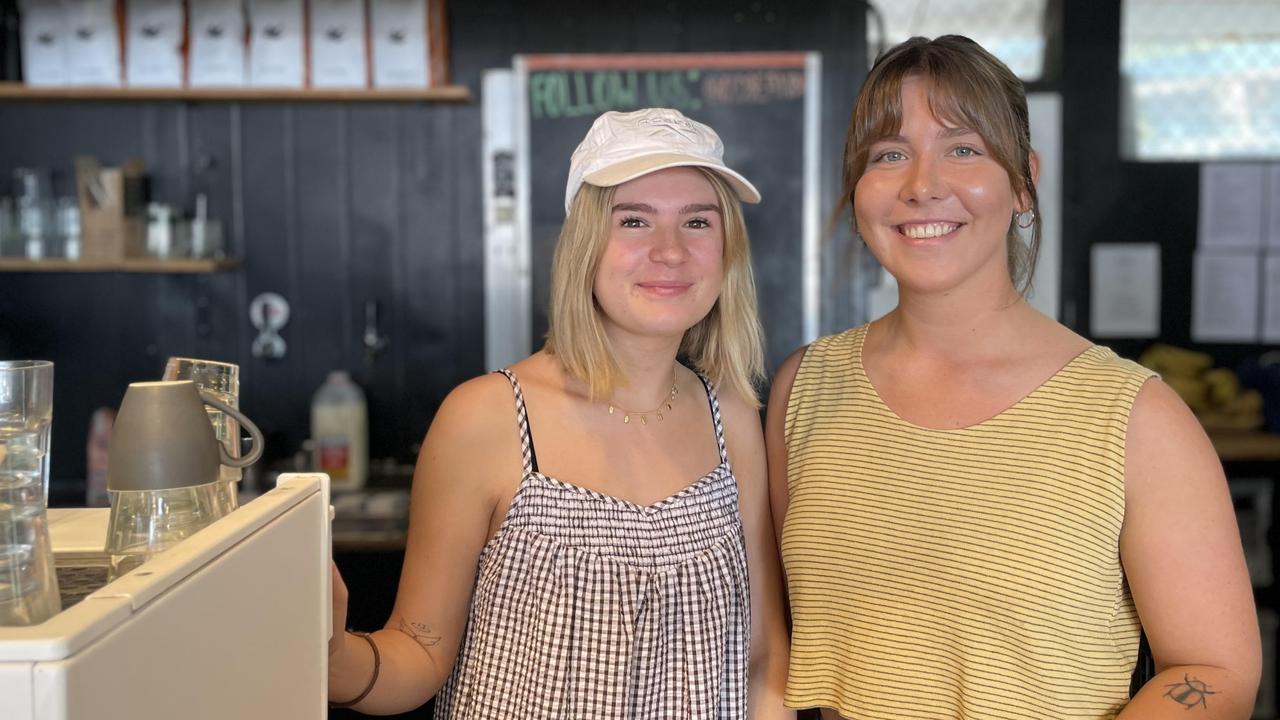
[529, 456]
[715, 416]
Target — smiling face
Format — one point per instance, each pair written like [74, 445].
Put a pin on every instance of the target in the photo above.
[932, 204]
[662, 269]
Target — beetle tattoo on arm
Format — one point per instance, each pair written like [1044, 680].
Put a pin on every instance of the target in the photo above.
[421, 634]
[1190, 692]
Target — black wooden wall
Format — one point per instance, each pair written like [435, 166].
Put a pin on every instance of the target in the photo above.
[332, 205]
[329, 205]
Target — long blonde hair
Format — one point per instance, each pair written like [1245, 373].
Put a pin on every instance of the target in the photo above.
[727, 345]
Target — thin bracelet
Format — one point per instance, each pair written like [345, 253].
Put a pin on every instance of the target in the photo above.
[377, 665]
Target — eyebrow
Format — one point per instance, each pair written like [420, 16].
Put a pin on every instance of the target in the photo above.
[646, 208]
[946, 133]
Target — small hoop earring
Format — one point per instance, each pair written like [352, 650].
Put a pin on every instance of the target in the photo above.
[1026, 219]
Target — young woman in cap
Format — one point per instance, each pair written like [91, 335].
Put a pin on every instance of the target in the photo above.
[583, 522]
[982, 511]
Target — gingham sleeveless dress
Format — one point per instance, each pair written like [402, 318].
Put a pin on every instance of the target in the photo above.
[590, 606]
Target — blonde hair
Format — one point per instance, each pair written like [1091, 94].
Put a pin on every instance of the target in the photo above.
[968, 86]
[727, 345]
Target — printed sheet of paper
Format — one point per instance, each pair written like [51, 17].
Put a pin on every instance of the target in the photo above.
[1231, 205]
[1271, 299]
[1124, 297]
[1272, 201]
[1225, 296]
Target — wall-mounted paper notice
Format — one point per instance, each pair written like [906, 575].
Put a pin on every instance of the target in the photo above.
[1231, 204]
[1271, 299]
[1124, 293]
[1225, 297]
[1273, 206]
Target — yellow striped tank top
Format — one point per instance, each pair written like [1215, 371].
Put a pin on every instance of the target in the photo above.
[971, 573]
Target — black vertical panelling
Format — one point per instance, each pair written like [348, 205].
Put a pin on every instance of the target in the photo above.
[165, 152]
[219, 316]
[372, 167]
[320, 302]
[424, 327]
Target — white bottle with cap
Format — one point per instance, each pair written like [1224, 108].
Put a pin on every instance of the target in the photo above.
[340, 432]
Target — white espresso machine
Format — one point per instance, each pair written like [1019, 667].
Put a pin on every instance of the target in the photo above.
[232, 622]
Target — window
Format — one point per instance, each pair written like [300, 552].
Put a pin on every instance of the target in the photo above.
[1200, 80]
[1013, 30]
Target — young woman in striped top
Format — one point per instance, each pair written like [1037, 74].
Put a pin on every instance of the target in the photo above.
[582, 524]
[981, 510]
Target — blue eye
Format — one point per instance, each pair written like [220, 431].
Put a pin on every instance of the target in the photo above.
[890, 156]
[965, 151]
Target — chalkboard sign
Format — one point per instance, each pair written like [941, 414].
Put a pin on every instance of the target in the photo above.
[764, 107]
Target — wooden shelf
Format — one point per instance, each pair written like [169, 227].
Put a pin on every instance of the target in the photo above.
[1244, 446]
[132, 265]
[445, 93]
[357, 542]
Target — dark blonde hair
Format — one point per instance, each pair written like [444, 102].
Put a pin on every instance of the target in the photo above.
[727, 344]
[967, 86]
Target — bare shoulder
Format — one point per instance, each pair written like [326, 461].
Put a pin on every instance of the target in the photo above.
[1158, 412]
[476, 409]
[784, 378]
[1164, 441]
[775, 442]
[474, 442]
[737, 410]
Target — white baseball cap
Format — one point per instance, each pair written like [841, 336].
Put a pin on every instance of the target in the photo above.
[624, 146]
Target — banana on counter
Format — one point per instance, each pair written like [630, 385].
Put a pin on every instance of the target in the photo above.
[1213, 394]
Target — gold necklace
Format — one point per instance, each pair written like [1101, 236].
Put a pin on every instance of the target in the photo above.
[657, 412]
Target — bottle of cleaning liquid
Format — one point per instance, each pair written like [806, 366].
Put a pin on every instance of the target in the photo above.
[96, 457]
[340, 432]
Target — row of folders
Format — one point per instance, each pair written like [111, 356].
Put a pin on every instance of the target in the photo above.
[228, 43]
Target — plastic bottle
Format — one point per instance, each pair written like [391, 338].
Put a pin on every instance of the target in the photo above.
[340, 432]
[100, 424]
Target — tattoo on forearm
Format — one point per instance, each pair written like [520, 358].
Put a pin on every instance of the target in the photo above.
[421, 634]
[1190, 692]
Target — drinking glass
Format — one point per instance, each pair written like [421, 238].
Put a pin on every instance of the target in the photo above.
[9, 245]
[32, 190]
[146, 523]
[221, 380]
[28, 584]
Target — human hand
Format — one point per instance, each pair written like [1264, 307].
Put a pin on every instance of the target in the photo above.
[338, 596]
